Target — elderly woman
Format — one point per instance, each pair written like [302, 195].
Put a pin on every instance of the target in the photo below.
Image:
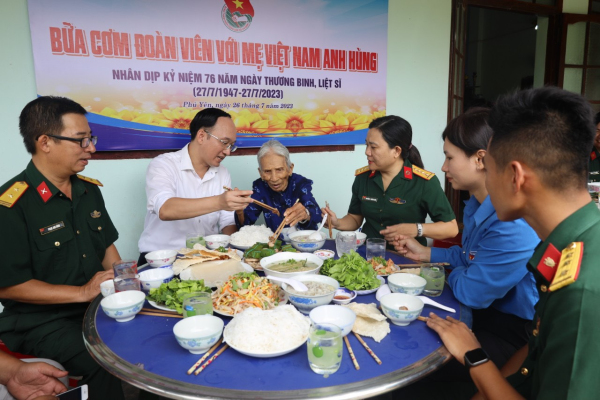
[279, 187]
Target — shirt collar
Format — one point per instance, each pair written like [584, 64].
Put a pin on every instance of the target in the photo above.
[40, 183]
[185, 163]
[480, 212]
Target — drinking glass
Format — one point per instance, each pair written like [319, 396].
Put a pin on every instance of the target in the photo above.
[127, 282]
[192, 238]
[324, 347]
[435, 277]
[375, 248]
[197, 303]
[344, 242]
[125, 267]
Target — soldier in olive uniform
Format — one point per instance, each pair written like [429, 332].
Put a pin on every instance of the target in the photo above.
[537, 164]
[595, 154]
[394, 194]
[57, 243]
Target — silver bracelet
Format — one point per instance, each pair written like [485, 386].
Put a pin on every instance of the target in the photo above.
[419, 229]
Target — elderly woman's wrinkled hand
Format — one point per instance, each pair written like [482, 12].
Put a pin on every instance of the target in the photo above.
[295, 214]
[456, 335]
[235, 199]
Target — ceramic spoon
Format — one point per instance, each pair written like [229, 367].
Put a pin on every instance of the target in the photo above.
[317, 234]
[299, 286]
[427, 300]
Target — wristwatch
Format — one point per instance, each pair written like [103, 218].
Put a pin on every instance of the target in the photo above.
[307, 217]
[419, 229]
[476, 357]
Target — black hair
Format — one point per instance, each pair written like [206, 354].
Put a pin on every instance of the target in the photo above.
[469, 131]
[43, 116]
[397, 131]
[597, 118]
[206, 118]
[549, 129]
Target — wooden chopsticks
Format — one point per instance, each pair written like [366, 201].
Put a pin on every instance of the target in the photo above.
[351, 353]
[367, 348]
[204, 357]
[329, 222]
[260, 203]
[159, 313]
[210, 360]
[273, 238]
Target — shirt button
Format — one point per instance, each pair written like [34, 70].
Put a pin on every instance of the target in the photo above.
[99, 228]
[544, 288]
[535, 332]
[84, 256]
[78, 232]
[524, 371]
[57, 244]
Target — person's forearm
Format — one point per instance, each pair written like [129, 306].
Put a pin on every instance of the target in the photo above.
[38, 292]
[513, 365]
[350, 222]
[177, 208]
[491, 384]
[228, 230]
[110, 256]
[440, 230]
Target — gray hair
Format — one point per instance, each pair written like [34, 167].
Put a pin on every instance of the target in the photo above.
[276, 147]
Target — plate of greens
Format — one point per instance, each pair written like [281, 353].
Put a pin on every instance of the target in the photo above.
[352, 272]
[169, 296]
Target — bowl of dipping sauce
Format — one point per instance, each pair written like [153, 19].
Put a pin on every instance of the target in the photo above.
[343, 296]
[324, 254]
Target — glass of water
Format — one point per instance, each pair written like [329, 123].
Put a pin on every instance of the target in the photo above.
[435, 277]
[192, 238]
[375, 248]
[344, 242]
[197, 303]
[324, 346]
[127, 282]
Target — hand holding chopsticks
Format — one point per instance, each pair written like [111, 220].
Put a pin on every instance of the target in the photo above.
[259, 203]
[273, 238]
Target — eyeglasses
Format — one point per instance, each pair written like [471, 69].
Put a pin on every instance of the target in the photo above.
[83, 142]
[228, 146]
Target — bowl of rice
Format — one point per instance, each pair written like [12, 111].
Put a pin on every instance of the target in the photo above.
[267, 333]
[248, 235]
[320, 292]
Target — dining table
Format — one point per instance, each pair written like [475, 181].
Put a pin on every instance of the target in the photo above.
[145, 353]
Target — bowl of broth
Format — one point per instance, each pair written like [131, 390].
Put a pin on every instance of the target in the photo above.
[289, 265]
[302, 242]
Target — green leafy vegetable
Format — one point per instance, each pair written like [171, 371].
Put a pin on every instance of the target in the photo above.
[351, 271]
[171, 294]
[222, 249]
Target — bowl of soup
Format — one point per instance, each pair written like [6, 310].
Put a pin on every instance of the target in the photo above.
[289, 265]
[301, 241]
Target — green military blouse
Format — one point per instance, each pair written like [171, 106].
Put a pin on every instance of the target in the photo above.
[48, 237]
[563, 349]
[408, 199]
[594, 166]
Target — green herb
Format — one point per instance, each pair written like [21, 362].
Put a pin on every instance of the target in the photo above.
[222, 249]
[351, 271]
[380, 260]
[171, 294]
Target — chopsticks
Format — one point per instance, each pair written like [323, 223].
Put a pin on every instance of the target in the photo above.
[329, 222]
[260, 203]
[204, 357]
[161, 314]
[424, 319]
[210, 360]
[368, 348]
[351, 353]
[273, 238]
[418, 265]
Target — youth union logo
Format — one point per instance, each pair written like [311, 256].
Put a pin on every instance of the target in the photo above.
[237, 15]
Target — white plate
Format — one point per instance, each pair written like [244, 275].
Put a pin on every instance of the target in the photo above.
[362, 292]
[263, 355]
[240, 247]
[186, 274]
[397, 270]
[160, 307]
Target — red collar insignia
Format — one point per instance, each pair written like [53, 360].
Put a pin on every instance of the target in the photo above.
[593, 155]
[408, 172]
[44, 192]
[372, 174]
[549, 262]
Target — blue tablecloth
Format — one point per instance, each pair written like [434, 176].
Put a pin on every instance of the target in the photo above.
[149, 341]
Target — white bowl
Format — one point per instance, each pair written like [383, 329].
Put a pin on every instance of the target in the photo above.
[345, 296]
[107, 288]
[304, 303]
[285, 233]
[198, 333]
[324, 254]
[284, 256]
[360, 238]
[160, 258]
[123, 306]
[306, 246]
[213, 242]
[391, 303]
[406, 283]
[153, 278]
[337, 315]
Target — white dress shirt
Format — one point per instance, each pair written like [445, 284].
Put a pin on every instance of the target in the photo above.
[173, 175]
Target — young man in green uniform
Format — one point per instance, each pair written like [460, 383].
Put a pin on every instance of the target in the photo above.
[57, 243]
[537, 164]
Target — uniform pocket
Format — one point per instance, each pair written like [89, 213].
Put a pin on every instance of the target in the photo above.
[53, 248]
[98, 235]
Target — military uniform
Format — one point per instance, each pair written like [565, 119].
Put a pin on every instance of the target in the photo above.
[48, 237]
[411, 195]
[563, 350]
[594, 166]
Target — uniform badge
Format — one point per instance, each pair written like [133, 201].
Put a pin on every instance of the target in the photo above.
[408, 172]
[548, 262]
[12, 194]
[567, 271]
[90, 180]
[397, 200]
[472, 255]
[373, 199]
[427, 175]
[95, 214]
[593, 155]
[44, 192]
[52, 228]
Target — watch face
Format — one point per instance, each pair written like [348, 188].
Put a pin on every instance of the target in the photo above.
[476, 357]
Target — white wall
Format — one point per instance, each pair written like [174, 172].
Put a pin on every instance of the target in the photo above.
[417, 90]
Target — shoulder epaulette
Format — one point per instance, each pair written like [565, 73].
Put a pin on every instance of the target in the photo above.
[568, 267]
[422, 173]
[361, 170]
[90, 180]
[13, 193]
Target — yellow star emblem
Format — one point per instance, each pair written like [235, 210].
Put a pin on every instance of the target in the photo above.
[238, 4]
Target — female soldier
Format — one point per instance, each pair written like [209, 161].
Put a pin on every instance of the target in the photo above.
[393, 194]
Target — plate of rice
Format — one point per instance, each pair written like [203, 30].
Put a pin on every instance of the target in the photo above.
[248, 235]
[267, 333]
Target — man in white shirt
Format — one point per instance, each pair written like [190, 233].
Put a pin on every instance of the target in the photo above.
[185, 188]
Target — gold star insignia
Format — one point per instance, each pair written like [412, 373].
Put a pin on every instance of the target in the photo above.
[238, 4]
